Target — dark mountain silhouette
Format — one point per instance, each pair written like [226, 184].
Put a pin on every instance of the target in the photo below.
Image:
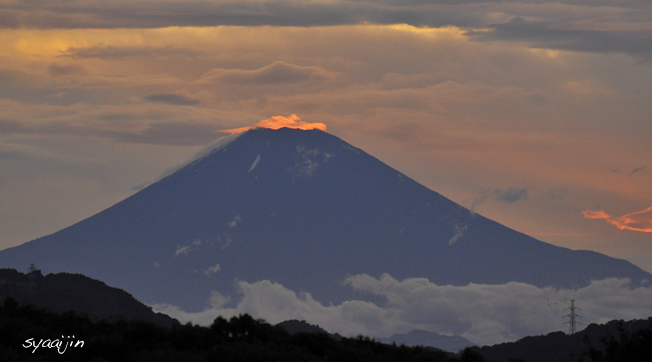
[304, 209]
[63, 292]
[561, 347]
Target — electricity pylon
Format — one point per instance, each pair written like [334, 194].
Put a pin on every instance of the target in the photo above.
[572, 318]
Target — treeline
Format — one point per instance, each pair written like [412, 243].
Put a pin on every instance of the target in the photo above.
[623, 346]
[29, 333]
[609, 342]
[240, 338]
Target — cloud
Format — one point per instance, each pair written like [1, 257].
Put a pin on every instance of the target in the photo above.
[56, 70]
[166, 133]
[635, 221]
[143, 123]
[508, 196]
[81, 14]
[463, 113]
[171, 98]
[276, 73]
[139, 186]
[637, 170]
[621, 27]
[112, 52]
[485, 314]
[278, 122]
[555, 193]
[9, 126]
[560, 26]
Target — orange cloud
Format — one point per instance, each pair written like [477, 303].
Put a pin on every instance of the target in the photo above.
[280, 122]
[636, 221]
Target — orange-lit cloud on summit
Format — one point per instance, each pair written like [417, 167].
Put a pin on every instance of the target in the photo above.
[277, 122]
[636, 221]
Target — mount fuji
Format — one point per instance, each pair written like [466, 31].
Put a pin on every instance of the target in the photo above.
[304, 209]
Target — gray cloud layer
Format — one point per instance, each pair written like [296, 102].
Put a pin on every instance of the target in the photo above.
[547, 35]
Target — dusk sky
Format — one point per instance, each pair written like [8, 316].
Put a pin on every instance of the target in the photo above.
[534, 114]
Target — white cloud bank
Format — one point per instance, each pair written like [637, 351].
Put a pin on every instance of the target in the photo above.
[484, 314]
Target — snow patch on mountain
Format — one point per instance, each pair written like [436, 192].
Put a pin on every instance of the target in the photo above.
[459, 233]
[253, 165]
[182, 250]
[212, 269]
[234, 222]
[224, 240]
[311, 160]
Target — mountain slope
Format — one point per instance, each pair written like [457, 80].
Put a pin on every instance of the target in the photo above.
[305, 209]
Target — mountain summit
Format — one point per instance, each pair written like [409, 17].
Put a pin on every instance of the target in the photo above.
[304, 209]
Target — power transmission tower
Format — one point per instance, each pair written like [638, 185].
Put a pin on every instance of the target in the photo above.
[572, 318]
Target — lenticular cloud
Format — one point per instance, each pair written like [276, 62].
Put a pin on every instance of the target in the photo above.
[484, 314]
[278, 122]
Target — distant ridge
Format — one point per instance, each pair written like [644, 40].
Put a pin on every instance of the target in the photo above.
[415, 338]
[306, 210]
[429, 339]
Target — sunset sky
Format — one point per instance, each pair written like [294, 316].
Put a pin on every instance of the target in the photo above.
[535, 114]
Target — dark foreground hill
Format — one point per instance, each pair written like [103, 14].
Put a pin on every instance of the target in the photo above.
[615, 341]
[63, 292]
[28, 334]
[304, 209]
